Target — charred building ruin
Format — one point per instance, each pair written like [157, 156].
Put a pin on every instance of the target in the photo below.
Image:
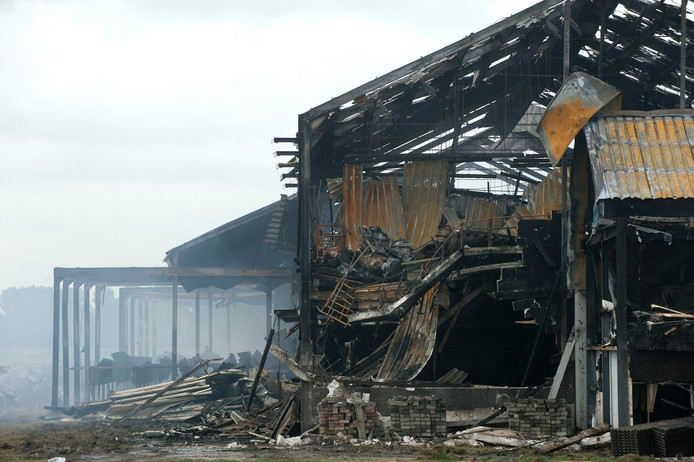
[511, 214]
[413, 267]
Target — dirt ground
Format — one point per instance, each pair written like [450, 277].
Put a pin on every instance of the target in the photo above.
[27, 438]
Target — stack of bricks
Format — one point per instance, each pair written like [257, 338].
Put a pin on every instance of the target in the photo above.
[336, 415]
[423, 417]
[535, 417]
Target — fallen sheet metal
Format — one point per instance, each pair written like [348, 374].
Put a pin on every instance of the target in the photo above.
[383, 207]
[352, 205]
[413, 342]
[424, 186]
[577, 101]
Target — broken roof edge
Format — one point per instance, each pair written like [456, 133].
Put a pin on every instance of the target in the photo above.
[437, 55]
[168, 258]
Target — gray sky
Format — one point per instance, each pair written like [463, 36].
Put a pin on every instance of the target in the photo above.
[128, 127]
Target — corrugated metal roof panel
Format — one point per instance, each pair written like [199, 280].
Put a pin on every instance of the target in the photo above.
[424, 186]
[642, 155]
[483, 216]
[352, 204]
[383, 207]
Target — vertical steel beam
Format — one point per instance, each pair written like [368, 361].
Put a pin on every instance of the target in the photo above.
[228, 305]
[210, 309]
[581, 360]
[140, 327]
[683, 55]
[605, 332]
[268, 309]
[154, 330]
[66, 347]
[131, 351]
[622, 399]
[174, 329]
[98, 290]
[87, 341]
[56, 341]
[602, 37]
[305, 325]
[197, 322]
[147, 350]
[76, 340]
[567, 38]
[122, 321]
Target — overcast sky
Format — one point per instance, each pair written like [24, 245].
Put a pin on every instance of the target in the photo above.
[128, 127]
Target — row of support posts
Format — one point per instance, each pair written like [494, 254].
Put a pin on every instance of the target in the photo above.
[60, 311]
[130, 309]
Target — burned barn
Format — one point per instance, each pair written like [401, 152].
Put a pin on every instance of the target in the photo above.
[510, 207]
[507, 219]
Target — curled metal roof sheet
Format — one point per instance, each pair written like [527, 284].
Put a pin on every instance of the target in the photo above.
[642, 155]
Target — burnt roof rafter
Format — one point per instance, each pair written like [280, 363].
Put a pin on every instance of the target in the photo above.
[467, 98]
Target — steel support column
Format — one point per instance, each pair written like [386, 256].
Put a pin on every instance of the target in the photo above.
[174, 329]
[122, 321]
[98, 290]
[305, 325]
[154, 331]
[147, 350]
[622, 398]
[210, 307]
[197, 322]
[87, 341]
[683, 55]
[268, 309]
[76, 341]
[66, 347]
[56, 343]
[131, 350]
[140, 327]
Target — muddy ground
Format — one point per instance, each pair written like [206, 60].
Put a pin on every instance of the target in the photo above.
[24, 438]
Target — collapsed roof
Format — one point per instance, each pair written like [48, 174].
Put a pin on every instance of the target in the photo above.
[475, 102]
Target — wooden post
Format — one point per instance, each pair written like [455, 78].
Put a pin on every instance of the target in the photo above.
[174, 329]
[55, 369]
[97, 324]
[87, 341]
[197, 322]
